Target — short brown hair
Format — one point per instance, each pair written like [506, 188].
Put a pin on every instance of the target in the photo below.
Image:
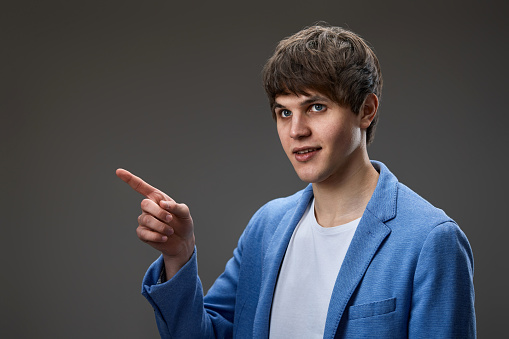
[331, 60]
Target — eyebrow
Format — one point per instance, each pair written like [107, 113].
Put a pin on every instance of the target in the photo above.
[306, 102]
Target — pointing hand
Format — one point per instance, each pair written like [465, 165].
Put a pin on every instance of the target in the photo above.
[163, 224]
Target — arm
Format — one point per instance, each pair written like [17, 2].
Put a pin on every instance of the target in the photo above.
[443, 296]
[180, 308]
[178, 302]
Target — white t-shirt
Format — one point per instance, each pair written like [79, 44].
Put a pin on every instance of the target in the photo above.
[308, 274]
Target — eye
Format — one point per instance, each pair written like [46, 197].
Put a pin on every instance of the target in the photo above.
[284, 113]
[317, 107]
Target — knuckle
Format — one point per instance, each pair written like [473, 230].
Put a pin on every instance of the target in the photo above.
[145, 203]
[159, 195]
[144, 219]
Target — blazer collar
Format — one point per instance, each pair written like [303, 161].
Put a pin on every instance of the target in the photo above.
[383, 201]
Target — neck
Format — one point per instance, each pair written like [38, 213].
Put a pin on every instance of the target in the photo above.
[344, 197]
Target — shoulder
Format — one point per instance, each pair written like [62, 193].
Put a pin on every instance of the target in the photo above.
[403, 210]
[283, 203]
[411, 206]
[399, 207]
[278, 213]
[277, 208]
[417, 221]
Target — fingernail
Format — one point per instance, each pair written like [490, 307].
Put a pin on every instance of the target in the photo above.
[164, 238]
[169, 217]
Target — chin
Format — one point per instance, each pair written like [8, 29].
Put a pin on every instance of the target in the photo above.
[310, 178]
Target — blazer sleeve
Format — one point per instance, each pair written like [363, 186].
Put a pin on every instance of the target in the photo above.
[180, 308]
[443, 294]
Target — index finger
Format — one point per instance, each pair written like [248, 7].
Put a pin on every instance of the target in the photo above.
[136, 183]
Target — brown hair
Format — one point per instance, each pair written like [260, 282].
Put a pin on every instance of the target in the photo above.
[331, 60]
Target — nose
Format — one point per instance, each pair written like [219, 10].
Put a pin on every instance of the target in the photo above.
[299, 127]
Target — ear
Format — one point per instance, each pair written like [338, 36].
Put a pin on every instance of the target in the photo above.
[368, 110]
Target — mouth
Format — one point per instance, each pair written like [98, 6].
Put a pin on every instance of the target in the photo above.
[304, 154]
[305, 150]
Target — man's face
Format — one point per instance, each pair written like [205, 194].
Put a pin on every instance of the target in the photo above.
[321, 138]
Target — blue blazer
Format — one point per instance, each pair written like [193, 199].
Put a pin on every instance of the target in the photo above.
[408, 273]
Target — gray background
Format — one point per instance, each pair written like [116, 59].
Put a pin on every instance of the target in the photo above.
[173, 93]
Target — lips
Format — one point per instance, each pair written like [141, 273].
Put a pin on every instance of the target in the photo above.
[305, 153]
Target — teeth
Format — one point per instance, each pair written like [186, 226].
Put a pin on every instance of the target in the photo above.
[306, 151]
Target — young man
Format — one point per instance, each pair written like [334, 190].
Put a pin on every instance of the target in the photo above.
[354, 255]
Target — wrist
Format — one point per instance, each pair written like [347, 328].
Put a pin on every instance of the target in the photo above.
[172, 264]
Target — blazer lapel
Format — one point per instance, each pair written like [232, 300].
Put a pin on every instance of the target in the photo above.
[368, 237]
[272, 262]
[370, 234]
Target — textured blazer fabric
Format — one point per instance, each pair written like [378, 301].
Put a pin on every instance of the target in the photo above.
[408, 273]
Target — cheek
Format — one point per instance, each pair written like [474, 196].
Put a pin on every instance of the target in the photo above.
[337, 134]
[345, 137]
